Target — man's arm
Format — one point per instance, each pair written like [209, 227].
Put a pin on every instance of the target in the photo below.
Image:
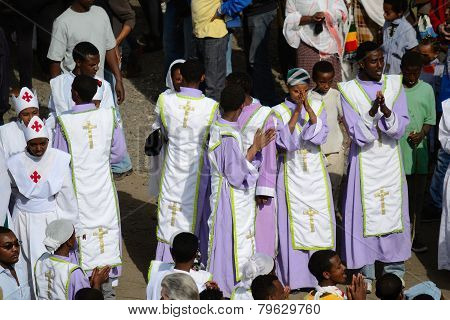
[58, 47]
[113, 63]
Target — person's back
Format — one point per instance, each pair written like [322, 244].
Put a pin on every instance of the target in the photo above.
[186, 117]
[91, 134]
[71, 27]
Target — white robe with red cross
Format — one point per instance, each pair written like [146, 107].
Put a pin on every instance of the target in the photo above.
[44, 192]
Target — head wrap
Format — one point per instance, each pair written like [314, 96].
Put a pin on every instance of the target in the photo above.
[36, 129]
[169, 81]
[258, 264]
[25, 99]
[297, 76]
[56, 233]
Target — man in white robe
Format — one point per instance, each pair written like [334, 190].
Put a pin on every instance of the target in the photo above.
[42, 181]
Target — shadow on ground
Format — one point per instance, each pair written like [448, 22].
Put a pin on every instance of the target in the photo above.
[138, 230]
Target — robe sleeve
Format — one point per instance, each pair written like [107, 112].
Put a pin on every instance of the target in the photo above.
[78, 280]
[285, 139]
[239, 172]
[268, 169]
[444, 127]
[358, 131]
[108, 98]
[316, 133]
[395, 125]
[5, 189]
[118, 146]
[59, 141]
[291, 26]
[66, 201]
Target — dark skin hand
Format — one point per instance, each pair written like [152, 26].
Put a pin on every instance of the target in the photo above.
[379, 103]
[99, 276]
[318, 17]
[358, 289]
[417, 137]
[262, 200]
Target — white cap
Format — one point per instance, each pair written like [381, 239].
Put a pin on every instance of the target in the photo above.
[36, 129]
[25, 99]
[57, 232]
[100, 91]
[258, 264]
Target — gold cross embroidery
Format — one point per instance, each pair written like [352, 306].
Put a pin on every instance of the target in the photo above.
[49, 276]
[100, 235]
[382, 194]
[311, 212]
[251, 237]
[304, 153]
[88, 126]
[174, 208]
[187, 109]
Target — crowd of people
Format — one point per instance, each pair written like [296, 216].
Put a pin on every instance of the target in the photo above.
[258, 197]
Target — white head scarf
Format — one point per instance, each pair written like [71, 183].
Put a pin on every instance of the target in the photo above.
[169, 82]
[258, 264]
[56, 233]
[26, 99]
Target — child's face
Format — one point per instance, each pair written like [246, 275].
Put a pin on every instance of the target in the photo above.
[177, 78]
[295, 92]
[389, 13]
[337, 271]
[411, 75]
[324, 81]
[89, 66]
[428, 53]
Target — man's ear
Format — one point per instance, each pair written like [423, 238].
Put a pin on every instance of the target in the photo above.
[326, 275]
[202, 78]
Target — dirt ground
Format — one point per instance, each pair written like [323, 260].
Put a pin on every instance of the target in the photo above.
[138, 212]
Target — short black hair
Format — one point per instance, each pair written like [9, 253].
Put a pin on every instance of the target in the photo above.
[4, 230]
[389, 287]
[211, 294]
[412, 59]
[364, 48]
[184, 247]
[242, 79]
[89, 294]
[84, 49]
[322, 66]
[320, 263]
[423, 296]
[397, 5]
[431, 42]
[262, 286]
[86, 87]
[192, 71]
[175, 67]
[231, 98]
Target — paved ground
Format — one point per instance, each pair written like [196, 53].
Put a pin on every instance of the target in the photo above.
[138, 212]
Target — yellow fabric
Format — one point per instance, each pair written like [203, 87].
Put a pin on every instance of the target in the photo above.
[326, 296]
[202, 13]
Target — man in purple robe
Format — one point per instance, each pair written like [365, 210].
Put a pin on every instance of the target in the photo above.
[375, 124]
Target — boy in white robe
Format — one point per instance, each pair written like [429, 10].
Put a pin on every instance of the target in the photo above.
[86, 57]
[42, 181]
[186, 117]
[94, 140]
[184, 251]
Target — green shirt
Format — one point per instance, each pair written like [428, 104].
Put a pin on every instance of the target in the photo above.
[421, 110]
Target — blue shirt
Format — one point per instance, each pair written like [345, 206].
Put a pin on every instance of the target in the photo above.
[403, 38]
[11, 291]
